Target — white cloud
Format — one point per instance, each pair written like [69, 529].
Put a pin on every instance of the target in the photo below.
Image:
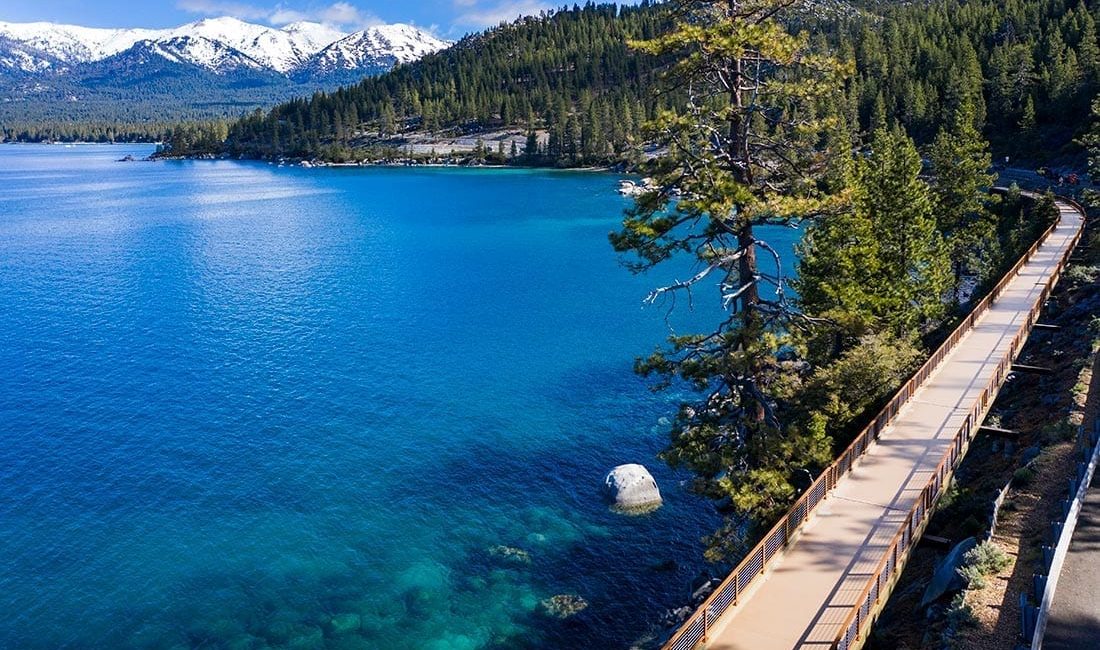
[284, 16]
[340, 14]
[218, 8]
[480, 14]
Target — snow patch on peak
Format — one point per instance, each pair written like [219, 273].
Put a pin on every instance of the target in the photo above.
[271, 47]
[316, 35]
[406, 42]
[219, 44]
[75, 44]
[381, 46]
[203, 52]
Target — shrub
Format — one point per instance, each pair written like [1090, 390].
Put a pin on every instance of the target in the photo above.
[1060, 431]
[983, 560]
[959, 614]
[1022, 477]
[1082, 274]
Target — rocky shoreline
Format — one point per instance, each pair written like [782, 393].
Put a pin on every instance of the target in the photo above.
[385, 162]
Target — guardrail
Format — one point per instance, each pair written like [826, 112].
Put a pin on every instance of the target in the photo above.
[696, 627]
[1055, 556]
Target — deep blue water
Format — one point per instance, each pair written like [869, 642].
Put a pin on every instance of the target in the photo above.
[239, 401]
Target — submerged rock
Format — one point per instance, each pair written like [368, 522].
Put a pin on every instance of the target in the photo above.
[664, 566]
[946, 579]
[244, 642]
[313, 639]
[701, 590]
[345, 623]
[632, 489]
[674, 617]
[563, 605]
[350, 642]
[510, 554]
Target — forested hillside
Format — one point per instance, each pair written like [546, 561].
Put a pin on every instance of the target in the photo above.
[1031, 67]
[571, 73]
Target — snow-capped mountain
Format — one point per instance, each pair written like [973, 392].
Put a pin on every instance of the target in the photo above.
[212, 68]
[19, 57]
[73, 44]
[276, 49]
[206, 53]
[313, 36]
[383, 46]
[219, 45]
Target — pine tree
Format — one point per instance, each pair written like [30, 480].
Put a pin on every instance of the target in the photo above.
[743, 153]
[1088, 53]
[1028, 126]
[838, 273]
[961, 160]
[1091, 141]
[389, 120]
[914, 269]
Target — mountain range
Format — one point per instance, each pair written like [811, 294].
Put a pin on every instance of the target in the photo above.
[209, 68]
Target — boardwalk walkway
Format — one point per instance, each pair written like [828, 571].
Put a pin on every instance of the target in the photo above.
[807, 593]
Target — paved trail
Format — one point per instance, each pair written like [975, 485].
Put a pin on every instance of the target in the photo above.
[805, 596]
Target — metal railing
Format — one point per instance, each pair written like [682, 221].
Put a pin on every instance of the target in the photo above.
[860, 614]
[695, 628]
[1054, 556]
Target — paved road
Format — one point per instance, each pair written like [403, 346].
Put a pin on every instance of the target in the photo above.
[805, 596]
[1074, 622]
[1027, 179]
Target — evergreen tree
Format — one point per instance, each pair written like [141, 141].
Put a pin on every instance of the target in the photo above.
[743, 153]
[914, 269]
[838, 274]
[1028, 126]
[961, 160]
[1088, 55]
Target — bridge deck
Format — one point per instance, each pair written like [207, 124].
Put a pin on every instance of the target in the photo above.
[804, 597]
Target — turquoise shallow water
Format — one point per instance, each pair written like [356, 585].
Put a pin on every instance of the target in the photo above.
[245, 406]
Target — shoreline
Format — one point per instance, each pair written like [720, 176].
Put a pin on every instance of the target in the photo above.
[80, 144]
[406, 164]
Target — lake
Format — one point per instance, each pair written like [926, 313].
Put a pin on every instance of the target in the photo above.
[245, 406]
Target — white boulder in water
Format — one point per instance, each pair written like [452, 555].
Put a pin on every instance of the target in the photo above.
[631, 489]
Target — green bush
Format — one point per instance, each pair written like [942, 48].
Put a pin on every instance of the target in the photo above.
[1022, 477]
[959, 614]
[983, 560]
[1082, 274]
[1060, 431]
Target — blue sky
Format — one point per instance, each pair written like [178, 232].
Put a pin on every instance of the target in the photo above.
[445, 17]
